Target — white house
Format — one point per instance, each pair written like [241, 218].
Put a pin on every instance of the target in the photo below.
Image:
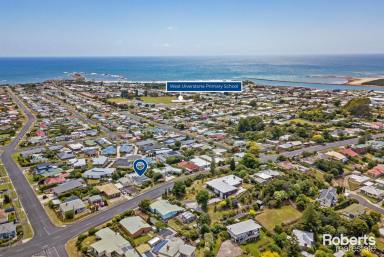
[225, 186]
[244, 231]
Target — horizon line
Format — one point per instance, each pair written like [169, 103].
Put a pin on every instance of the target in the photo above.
[171, 56]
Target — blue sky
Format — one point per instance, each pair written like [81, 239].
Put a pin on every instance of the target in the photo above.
[195, 27]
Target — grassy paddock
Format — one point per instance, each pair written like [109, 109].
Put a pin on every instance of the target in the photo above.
[158, 99]
[272, 217]
[119, 100]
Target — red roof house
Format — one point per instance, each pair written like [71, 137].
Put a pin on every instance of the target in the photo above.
[191, 167]
[376, 171]
[348, 152]
[40, 133]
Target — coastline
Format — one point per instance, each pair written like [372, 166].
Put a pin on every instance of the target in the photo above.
[360, 81]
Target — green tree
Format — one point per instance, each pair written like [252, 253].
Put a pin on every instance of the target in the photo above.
[6, 199]
[179, 189]
[358, 107]
[204, 219]
[144, 205]
[68, 215]
[202, 198]
[311, 218]
[250, 124]
[213, 166]
[359, 227]
[250, 161]
[232, 165]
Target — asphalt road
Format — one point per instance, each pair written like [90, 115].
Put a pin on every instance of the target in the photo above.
[49, 239]
[363, 201]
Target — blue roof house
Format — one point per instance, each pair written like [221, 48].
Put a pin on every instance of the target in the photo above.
[110, 150]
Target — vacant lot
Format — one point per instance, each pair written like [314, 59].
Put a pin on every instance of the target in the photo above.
[272, 217]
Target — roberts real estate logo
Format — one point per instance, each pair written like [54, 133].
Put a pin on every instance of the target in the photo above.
[353, 243]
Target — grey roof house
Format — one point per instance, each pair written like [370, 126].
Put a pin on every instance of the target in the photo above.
[328, 197]
[244, 231]
[68, 186]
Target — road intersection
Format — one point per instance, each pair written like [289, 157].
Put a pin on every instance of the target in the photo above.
[48, 238]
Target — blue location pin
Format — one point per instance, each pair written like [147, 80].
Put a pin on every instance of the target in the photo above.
[140, 166]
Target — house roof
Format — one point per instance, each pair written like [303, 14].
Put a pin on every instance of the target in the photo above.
[163, 207]
[112, 242]
[72, 205]
[372, 190]
[108, 189]
[377, 170]
[328, 195]
[99, 172]
[243, 227]
[188, 166]
[99, 160]
[225, 184]
[67, 186]
[133, 224]
[349, 152]
[305, 238]
[7, 228]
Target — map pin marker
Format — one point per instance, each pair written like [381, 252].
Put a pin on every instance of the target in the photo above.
[140, 166]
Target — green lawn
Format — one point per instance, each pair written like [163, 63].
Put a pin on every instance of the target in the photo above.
[301, 121]
[254, 248]
[141, 240]
[158, 100]
[119, 100]
[272, 217]
[145, 99]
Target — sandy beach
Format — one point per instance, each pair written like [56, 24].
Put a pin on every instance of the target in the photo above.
[360, 81]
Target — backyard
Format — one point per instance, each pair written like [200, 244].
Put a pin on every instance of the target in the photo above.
[286, 215]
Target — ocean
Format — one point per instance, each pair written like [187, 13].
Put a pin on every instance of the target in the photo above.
[323, 72]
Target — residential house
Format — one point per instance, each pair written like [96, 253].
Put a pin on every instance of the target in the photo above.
[376, 171]
[135, 226]
[7, 230]
[99, 173]
[336, 156]
[372, 191]
[328, 197]
[109, 150]
[305, 239]
[186, 217]
[348, 152]
[76, 205]
[244, 231]
[109, 190]
[201, 163]
[225, 186]
[359, 179]
[100, 161]
[165, 209]
[96, 200]
[66, 155]
[68, 186]
[360, 148]
[147, 145]
[173, 247]
[188, 166]
[111, 243]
